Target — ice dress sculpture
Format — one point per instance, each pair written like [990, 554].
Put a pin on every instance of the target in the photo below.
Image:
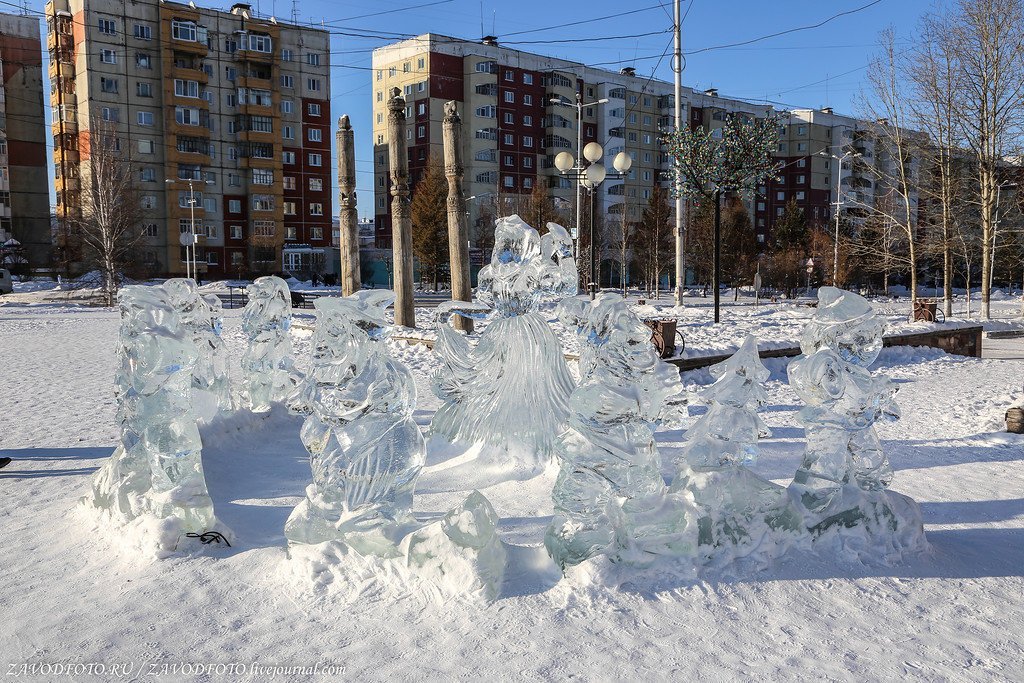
[268, 369]
[510, 392]
[366, 453]
[610, 497]
[157, 470]
[740, 512]
[201, 316]
[842, 481]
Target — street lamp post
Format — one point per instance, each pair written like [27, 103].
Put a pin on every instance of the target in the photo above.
[579, 146]
[590, 177]
[192, 272]
[995, 230]
[839, 190]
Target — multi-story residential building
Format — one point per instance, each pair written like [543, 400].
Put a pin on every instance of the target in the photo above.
[224, 113]
[24, 180]
[518, 111]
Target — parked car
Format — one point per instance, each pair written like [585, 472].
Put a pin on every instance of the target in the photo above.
[6, 284]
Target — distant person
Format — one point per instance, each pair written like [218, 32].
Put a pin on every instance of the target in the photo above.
[314, 280]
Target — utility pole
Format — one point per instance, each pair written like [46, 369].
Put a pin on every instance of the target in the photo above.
[401, 219]
[458, 231]
[348, 214]
[677, 69]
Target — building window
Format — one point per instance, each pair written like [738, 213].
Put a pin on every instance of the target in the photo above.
[510, 96]
[108, 57]
[143, 89]
[291, 233]
[800, 196]
[508, 181]
[527, 120]
[263, 202]
[316, 209]
[527, 183]
[509, 139]
[288, 157]
[262, 176]
[289, 182]
[259, 43]
[210, 205]
[263, 228]
[527, 141]
[316, 184]
[313, 59]
[148, 201]
[145, 146]
[508, 160]
[509, 76]
[289, 208]
[313, 109]
[186, 116]
[509, 118]
[315, 160]
[142, 60]
[234, 206]
[183, 30]
[108, 85]
[313, 84]
[421, 131]
[780, 196]
[235, 231]
[287, 81]
[184, 88]
[230, 73]
[143, 32]
[528, 79]
[108, 27]
[421, 86]
[801, 179]
[288, 133]
[528, 100]
[314, 135]
[111, 114]
[145, 118]
[148, 175]
[286, 55]
[421, 108]
[800, 163]
[150, 230]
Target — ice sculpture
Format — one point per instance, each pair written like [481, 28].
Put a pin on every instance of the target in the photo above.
[510, 392]
[842, 481]
[740, 512]
[201, 316]
[157, 469]
[610, 497]
[366, 453]
[268, 370]
[365, 449]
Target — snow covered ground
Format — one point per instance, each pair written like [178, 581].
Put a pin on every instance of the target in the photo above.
[74, 593]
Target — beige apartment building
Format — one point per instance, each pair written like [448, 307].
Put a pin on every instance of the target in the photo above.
[223, 114]
[517, 116]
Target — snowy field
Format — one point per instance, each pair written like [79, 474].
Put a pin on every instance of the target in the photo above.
[75, 593]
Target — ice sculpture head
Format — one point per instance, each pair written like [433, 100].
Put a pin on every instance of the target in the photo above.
[348, 328]
[270, 304]
[524, 267]
[845, 323]
[147, 309]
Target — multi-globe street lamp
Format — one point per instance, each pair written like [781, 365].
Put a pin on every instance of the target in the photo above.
[590, 177]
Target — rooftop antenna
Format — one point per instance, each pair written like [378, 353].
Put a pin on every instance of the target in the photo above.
[295, 11]
[481, 18]
[494, 21]
[826, 89]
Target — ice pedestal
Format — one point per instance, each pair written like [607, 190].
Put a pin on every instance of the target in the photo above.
[610, 498]
[268, 370]
[740, 513]
[510, 392]
[366, 453]
[841, 484]
[157, 470]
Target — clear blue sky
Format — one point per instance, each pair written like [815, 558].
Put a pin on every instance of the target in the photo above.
[816, 67]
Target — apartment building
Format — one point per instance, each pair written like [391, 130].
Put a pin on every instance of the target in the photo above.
[224, 115]
[518, 112]
[24, 179]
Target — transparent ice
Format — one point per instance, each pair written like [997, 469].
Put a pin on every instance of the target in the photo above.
[201, 316]
[844, 475]
[738, 509]
[610, 497]
[365, 449]
[268, 369]
[511, 390]
[157, 470]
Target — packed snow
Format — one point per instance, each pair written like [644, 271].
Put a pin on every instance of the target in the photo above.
[75, 592]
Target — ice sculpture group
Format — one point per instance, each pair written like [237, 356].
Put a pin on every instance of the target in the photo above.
[511, 394]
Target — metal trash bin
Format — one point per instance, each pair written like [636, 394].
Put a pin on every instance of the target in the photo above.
[663, 335]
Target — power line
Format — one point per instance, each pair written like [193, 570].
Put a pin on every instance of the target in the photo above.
[583, 21]
[590, 40]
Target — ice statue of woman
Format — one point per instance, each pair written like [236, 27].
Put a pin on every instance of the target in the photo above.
[268, 370]
[510, 392]
[365, 449]
[610, 497]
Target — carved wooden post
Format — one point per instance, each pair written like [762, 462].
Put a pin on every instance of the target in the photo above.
[458, 232]
[401, 219]
[351, 281]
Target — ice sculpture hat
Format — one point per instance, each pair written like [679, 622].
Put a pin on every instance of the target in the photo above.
[836, 306]
[846, 324]
[364, 309]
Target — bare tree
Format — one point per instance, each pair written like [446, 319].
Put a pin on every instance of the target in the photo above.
[985, 39]
[109, 222]
[895, 167]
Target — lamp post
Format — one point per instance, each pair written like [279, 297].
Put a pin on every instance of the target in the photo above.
[839, 190]
[590, 177]
[995, 230]
[194, 271]
[579, 146]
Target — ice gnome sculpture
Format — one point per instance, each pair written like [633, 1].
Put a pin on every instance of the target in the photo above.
[366, 453]
[842, 481]
[365, 449]
[157, 470]
[509, 392]
[202, 317]
[268, 368]
[740, 513]
[610, 497]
